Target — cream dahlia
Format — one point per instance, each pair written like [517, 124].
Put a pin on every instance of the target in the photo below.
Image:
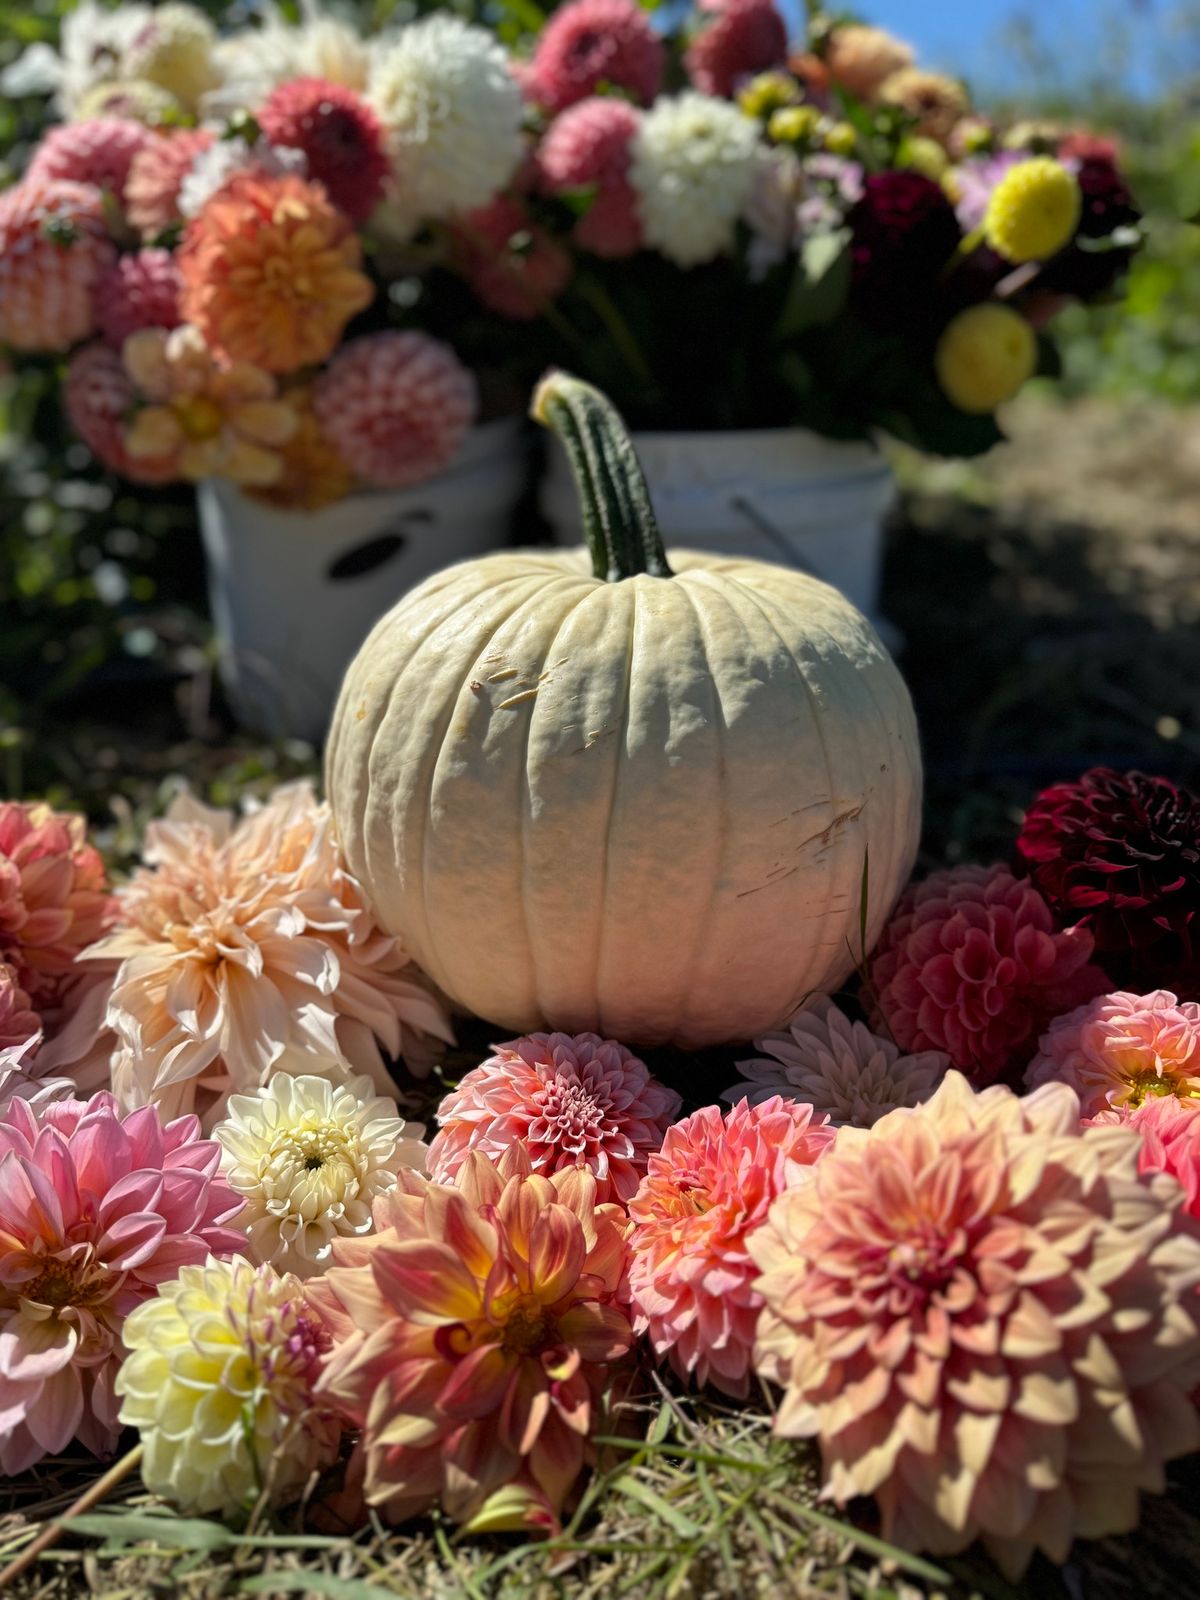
[174, 49]
[985, 1317]
[577, 1101]
[219, 1383]
[54, 249]
[308, 1158]
[694, 160]
[99, 152]
[1120, 1050]
[156, 176]
[99, 397]
[690, 1274]
[937, 102]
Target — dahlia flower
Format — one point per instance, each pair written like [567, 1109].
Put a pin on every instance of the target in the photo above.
[903, 233]
[98, 397]
[838, 1067]
[1170, 1133]
[690, 1274]
[341, 138]
[1033, 210]
[1119, 853]
[54, 248]
[156, 176]
[514, 266]
[694, 159]
[20, 1025]
[452, 113]
[219, 1382]
[255, 61]
[590, 43]
[971, 963]
[1120, 1050]
[861, 59]
[313, 472]
[938, 103]
[740, 38]
[272, 272]
[140, 290]
[215, 166]
[92, 42]
[246, 948]
[772, 208]
[589, 147]
[395, 406]
[985, 1318]
[133, 100]
[308, 1158]
[21, 1078]
[483, 1330]
[207, 418]
[174, 49]
[985, 356]
[99, 152]
[1106, 205]
[96, 1209]
[972, 183]
[577, 1101]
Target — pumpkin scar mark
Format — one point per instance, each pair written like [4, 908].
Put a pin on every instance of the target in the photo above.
[813, 805]
[501, 677]
[593, 737]
[517, 699]
[823, 838]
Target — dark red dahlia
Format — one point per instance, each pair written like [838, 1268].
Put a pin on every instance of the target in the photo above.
[903, 233]
[1107, 206]
[340, 135]
[1120, 853]
[743, 38]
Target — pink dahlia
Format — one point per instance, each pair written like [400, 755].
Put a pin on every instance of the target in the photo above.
[340, 135]
[577, 1101]
[1120, 1050]
[742, 38]
[971, 963]
[54, 249]
[588, 148]
[395, 406]
[96, 1210]
[986, 1319]
[481, 1331]
[592, 42]
[691, 1278]
[156, 176]
[99, 152]
[1170, 1133]
[515, 267]
[100, 398]
[20, 1025]
[138, 291]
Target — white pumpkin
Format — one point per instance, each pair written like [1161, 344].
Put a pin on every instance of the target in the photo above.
[639, 802]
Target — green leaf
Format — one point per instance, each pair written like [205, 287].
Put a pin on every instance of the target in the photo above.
[315, 1583]
[819, 284]
[168, 1532]
[676, 1520]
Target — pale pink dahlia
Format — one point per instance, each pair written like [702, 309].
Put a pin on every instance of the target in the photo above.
[100, 398]
[156, 176]
[245, 948]
[592, 42]
[99, 151]
[743, 37]
[96, 1210]
[515, 267]
[1120, 1050]
[1170, 1133]
[138, 291]
[986, 1319]
[577, 1101]
[395, 406]
[54, 248]
[690, 1273]
[20, 1025]
[971, 963]
[588, 148]
[481, 1331]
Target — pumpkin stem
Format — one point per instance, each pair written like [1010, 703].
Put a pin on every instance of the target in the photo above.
[618, 519]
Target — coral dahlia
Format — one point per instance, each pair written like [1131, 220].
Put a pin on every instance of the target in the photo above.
[1120, 1050]
[54, 249]
[589, 147]
[694, 163]
[741, 38]
[156, 176]
[971, 963]
[96, 1209]
[138, 291]
[514, 266]
[395, 406]
[99, 152]
[99, 397]
[691, 1278]
[272, 272]
[482, 1330]
[572, 1101]
[341, 137]
[590, 43]
[986, 1319]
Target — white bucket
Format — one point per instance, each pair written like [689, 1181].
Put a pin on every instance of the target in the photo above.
[294, 593]
[782, 494]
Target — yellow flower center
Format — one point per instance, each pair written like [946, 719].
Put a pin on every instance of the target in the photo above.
[199, 417]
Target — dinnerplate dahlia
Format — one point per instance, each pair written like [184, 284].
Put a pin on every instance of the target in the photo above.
[1120, 1050]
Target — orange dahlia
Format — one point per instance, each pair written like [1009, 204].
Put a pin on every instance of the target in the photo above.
[272, 272]
[314, 474]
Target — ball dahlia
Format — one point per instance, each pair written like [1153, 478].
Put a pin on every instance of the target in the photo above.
[937, 102]
[690, 1274]
[1119, 853]
[54, 249]
[903, 231]
[1033, 211]
[971, 963]
[577, 1101]
[740, 38]
[98, 397]
[694, 161]
[861, 59]
[96, 1209]
[219, 1382]
[140, 290]
[986, 1319]
[1120, 1050]
[272, 272]
[514, 266]
[590, 43]
[985, 356]
[174, 49]
[481, 1331]
[589, 147]
[100, 152]
[840, 1068]
[341, 137]
[395, 406]
[156, 176]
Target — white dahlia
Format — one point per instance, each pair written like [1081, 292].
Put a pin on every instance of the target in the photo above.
[308, 1158]
[253, 61]
[452, 110]
[92, 45]
[694, 164]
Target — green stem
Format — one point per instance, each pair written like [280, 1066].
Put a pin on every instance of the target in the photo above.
[618, 520]
[618, 329]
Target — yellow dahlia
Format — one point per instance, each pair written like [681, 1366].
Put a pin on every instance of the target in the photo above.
[314, 473]
[272, 272]
[984, 356]
[1034, 210]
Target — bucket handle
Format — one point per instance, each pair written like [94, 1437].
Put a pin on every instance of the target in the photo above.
[746, 509]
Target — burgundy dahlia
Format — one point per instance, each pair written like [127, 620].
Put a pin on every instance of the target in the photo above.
[340, 135]
[1107, 206]
[1119, 853]
[903, 233]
